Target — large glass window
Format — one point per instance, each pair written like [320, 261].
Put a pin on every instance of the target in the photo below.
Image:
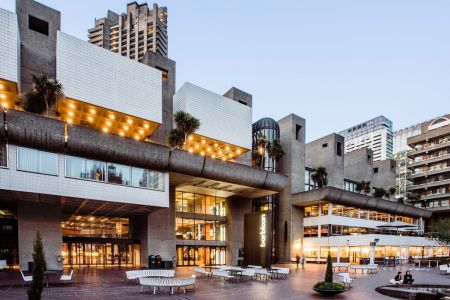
[200, 204]
[77, 167]
[199, 229]
[309, 183]
[312, 211]
[3, 155]
[311, 231]
[91, 226]
[32, 160]
[119, 174]
[349, 185]
[324, 209]
[149, 179]
[200, 256]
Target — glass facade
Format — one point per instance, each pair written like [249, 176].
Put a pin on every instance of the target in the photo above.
[200, 256]
[91, 226]
[200, 229]
[3, 155]
[9, 245]
[88, 169]
[350, 185]
[32, 160]
[200, 204]
[309, 183]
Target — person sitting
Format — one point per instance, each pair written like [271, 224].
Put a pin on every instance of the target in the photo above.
[397, 279]
[407, 279]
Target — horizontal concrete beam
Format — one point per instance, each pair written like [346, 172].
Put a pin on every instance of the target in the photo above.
[31, 130]
[339, 196]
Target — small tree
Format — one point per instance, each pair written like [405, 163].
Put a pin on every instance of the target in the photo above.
[440, 231]
[39, 265]
[329, 271]
[319, 176]
[378, 192]
[363, 187]
[185, 124]
[45, 93]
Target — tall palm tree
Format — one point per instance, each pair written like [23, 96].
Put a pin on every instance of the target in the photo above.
[319, 176]
[275, 150]
[185, 124]
[45, 93]
[363, 187]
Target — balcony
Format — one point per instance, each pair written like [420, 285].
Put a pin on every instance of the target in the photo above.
[429, 161]
[428, 149]
[428, 185]
[428, 173]
[436, 196]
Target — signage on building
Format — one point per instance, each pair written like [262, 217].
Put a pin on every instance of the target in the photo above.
[262, 231]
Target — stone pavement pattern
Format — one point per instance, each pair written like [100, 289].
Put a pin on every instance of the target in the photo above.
[111, 284]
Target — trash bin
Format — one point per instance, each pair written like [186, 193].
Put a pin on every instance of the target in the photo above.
[152, 262]
[167, 264]
[158, 262]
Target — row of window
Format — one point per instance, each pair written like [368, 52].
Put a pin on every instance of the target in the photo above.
[336, 230]
[200, 204]
[32, 160]
[352, 212]
[200, 230]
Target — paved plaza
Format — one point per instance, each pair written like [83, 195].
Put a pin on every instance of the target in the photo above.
[111, 284]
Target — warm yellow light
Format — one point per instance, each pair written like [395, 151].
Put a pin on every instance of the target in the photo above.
[230, 155]
[121, 133]
[92, 111]
[196, 146]
[223, 158]
[146, 126]
[202, 153]
[71, 105]
[4, 105]
[238, 151]
[209, 149]
[203, 142]
[70, 113]
[216, 145]
[227, 148]
[105, 129]
[191, 150]
[2, 96]
[112, 117]
[2, 86]
[69, 121]
[191, 137]
[108, 123]
[125, 128]
[136, 137]
[90, 119]
[213, 156]
[141, 131]
[129, 121]
[220, 152]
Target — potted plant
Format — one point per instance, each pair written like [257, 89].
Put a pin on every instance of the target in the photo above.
[328, 287]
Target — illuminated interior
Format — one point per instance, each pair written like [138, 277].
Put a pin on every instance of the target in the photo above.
[8, 94]
[109, 121]
[213, 148]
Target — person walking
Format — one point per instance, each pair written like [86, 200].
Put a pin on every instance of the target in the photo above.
[297, 260]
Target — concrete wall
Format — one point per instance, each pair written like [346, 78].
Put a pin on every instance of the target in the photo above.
[323, 153]
[385, 177]
[9, 47]
[38, 51]
[358, 165]
[45, 218]
[221, 118]
[293, 166]
[236, 209]
[100, 77]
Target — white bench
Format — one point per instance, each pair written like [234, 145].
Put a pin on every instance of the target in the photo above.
[444, 269]
[345, 279]
[201, 271]
[136, 274]
[248, 273]
[223, 275]
[338, 266]
[254, 267]
[283, 272]
[263, 273]
[171, 283]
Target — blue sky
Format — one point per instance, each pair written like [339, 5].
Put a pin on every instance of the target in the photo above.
[335, 63]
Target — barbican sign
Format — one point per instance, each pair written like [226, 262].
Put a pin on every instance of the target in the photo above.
[262, 231]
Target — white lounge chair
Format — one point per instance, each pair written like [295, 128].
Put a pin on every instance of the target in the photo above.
[67, 277]
[201, 271]
[26, 278]
[444, 269]
[345, 279]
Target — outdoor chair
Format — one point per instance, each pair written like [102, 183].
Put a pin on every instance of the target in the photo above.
[67, 277]
[345, 279]
[26, 278]
[262, 273]
[444, 269]
[248, 273]
[201, 271]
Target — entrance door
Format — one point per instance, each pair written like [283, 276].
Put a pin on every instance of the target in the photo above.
[355, 255]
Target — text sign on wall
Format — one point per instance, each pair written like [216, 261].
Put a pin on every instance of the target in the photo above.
[262, 231]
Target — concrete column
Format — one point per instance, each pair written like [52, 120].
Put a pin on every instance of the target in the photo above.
[338, 258]
[45, 218]
[372, 255]
[236, 209]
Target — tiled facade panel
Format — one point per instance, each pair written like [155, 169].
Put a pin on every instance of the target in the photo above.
[221, 118]
[12, 179]
[94, 75]
[9, 46]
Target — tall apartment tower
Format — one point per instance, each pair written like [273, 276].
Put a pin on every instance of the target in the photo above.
[430, 166]
[375, 134]
[402, 159]
[132, 34]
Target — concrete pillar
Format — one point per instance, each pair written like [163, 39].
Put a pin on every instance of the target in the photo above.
[372, 255]
[236, 209]
[338, 258]
[45, 218]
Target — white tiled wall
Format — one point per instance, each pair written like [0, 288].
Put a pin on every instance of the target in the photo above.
[221, 118]
[95, 75]
[12, 179]
[9, 46]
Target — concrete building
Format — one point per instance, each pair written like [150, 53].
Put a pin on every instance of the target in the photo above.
[132, 34]
[98, 177]
[430, 166]
[375, 134]
[401, 150]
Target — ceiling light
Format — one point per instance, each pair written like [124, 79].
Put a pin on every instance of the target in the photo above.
[203, 142]
[4, 105]
[136, 137]
[213, 156]
[129, 121]
[70, 113]
[230, 155]
[223, 158]
[3, 96]
[71, 105]
[202, 153]
[141, 131]
[105, 129]
[69, 121]
[146, 126]
[125, 127]
[112, 117]
[190, 150]
[209, 149]
[90, 119]
[92, 111]
[108, 123]
[2, 86]
[238, 151]
[227, 148]
[191, 137]
[196, 146]
[121, 133]
[220, 152]
[216, 145]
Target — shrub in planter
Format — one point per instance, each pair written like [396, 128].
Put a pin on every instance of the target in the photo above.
[328, 287]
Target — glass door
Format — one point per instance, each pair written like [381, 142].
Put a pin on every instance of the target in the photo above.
[355, 255]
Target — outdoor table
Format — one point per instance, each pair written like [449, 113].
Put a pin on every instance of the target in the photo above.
[47, 273]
